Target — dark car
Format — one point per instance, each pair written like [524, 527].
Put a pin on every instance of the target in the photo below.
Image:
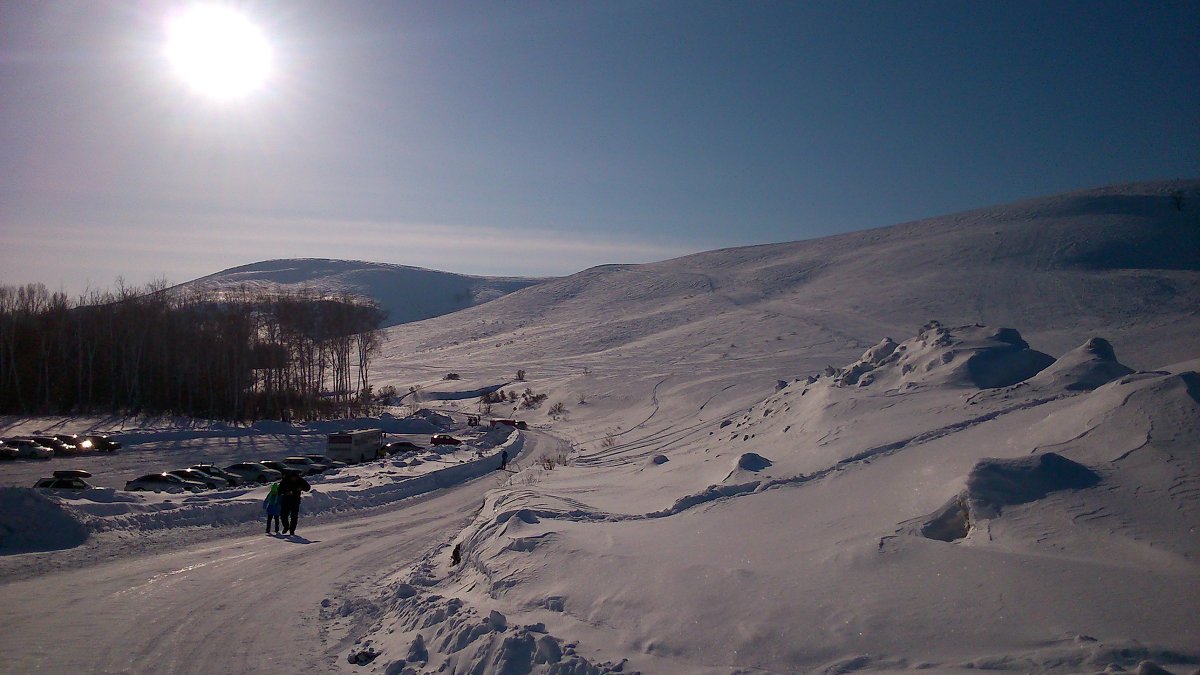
[59, 447]
[81, 444]
[101, 442]
[444, 439]
[284, 469]
[396, 447]
[213, 470]
[331, 463]
[66, 480]
[199, 476]
[163, 482]
[253, 471]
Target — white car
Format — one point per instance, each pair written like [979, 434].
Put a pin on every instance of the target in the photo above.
[164, 482]
[30, 448]
[305, 465]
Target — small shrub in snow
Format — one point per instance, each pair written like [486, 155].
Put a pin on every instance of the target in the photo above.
[530, 400]
[520, 376]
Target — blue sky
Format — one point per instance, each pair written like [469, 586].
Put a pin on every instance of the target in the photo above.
[542, 138]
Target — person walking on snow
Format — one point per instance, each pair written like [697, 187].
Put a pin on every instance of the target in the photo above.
[504, 460]
[289, 496]
[273, 506]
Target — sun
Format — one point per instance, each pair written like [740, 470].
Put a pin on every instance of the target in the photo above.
[218, 52]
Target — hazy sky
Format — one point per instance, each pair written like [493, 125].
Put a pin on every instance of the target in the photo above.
[542, 138]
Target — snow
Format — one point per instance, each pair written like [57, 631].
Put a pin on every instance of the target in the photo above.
[768, 459]
[405, 293]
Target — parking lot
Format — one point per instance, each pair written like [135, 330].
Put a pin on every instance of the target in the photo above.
[144, 453]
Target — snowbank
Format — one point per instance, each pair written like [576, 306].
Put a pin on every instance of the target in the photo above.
[23, 511]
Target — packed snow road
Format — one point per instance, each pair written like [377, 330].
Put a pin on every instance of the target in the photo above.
[244, 604]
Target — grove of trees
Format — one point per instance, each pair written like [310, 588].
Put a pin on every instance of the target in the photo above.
[236, 355]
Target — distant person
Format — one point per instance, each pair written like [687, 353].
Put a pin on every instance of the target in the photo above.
[504, 460]
[273, 507]
[290, 488]
[456, 555]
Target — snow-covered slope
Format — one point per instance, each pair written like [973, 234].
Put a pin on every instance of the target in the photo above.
[406, 293]
[727, 510]
[1118, 261]
[780, 463]
[908, 520]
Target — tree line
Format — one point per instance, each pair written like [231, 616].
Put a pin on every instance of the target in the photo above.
[239, 355]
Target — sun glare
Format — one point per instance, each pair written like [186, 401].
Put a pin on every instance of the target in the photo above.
[218, 52]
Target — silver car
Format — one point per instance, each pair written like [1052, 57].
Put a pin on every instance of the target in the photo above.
[30, 448]
[164, 482]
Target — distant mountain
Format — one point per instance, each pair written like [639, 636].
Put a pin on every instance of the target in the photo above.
[406, 293]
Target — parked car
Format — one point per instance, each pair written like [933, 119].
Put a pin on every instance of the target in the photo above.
[324, 459]
[213, 470]
[72, 479]
[55, 445]
[305, 464]
[8, 452]
[253, 472]
[101, 442]
[30, 448]
[212, 482]
[284, 468]
[164, 482]
[81, 444]
[396, 447]
[444, 439]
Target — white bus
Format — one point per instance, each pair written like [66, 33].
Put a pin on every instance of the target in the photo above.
[360, 445]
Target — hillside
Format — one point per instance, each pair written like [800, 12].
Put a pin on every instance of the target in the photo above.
[406, 293]
[998, 491]
[962, 443]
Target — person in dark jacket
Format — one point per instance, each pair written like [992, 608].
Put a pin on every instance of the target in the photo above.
[290, 488]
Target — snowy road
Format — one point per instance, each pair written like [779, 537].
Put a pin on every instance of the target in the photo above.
[250, 603]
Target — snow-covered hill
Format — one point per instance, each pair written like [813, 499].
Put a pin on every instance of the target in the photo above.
[729, 511]
[1120, 260]
[406, 293]
[781, 463]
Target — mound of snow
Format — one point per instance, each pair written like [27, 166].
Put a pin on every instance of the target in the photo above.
[975, 356]
[30, 521]
[996, 483]
[1092, 364]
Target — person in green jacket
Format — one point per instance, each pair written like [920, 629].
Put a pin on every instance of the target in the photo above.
[273, 506]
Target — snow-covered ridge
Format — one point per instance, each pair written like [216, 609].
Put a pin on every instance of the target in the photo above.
[1119, 262]
[406, 293]
[959, 468]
